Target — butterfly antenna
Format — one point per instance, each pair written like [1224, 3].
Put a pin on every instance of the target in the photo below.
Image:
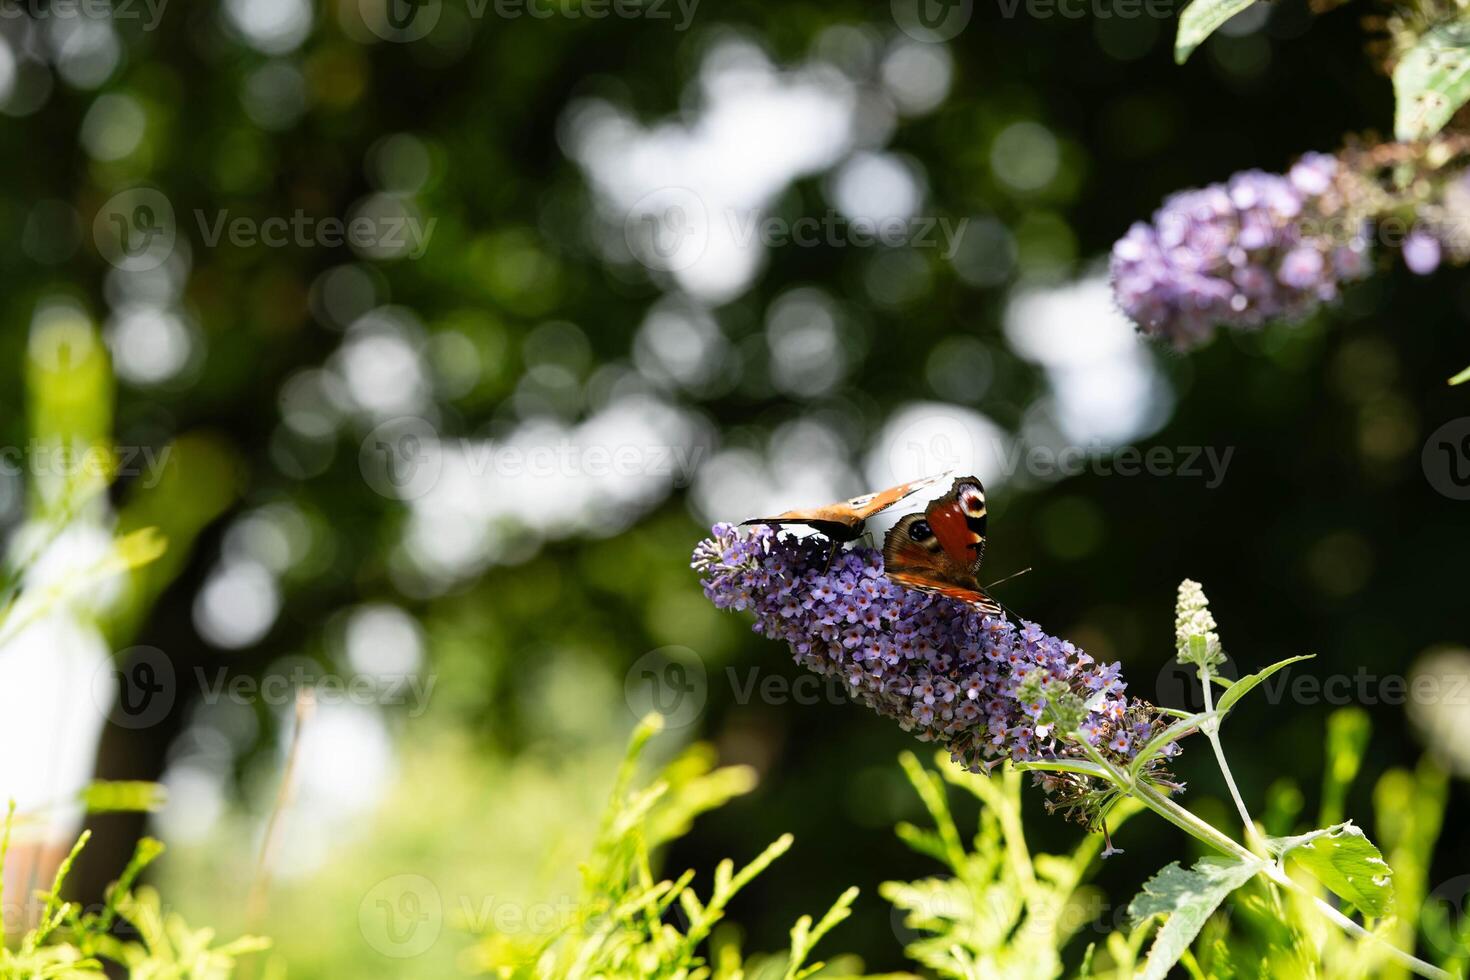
[1008, 578]
[1005, 608]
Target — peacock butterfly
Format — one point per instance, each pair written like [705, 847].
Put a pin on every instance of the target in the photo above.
[845, 520]
[940, 550]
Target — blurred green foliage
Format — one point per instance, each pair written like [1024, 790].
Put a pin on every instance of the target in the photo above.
[71, 943]
[1325, 536]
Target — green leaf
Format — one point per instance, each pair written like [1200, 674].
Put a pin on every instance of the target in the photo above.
[762, 861]
[1202, 650]
[123, 796]
[128, 552]
[930, 788]
[1348, 731]
[1168, 736]
[1242, 687]
[1431, 81]
[137, 549]
[1188, 898]
[804, 937]
[926, 842]
[147, 851]
[936, 905]
[71, 393]
[1201, 19]
[1346, 862]
[1085, 971]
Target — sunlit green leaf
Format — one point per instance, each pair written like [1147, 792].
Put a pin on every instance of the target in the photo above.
[1431, 81]
[1188, 899]
[1242, 687]
[1348, 731]
[123, 796]
[137, 549]
[1201, 19]
[1346, 862]
[804, 936]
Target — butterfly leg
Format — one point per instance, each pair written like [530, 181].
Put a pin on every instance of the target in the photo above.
[831, 556]
[1006, 610]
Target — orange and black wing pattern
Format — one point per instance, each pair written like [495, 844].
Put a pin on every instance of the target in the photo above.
[845, 520]
[940, 550]
[959, 520]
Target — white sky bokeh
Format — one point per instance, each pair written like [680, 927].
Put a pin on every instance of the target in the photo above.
[754, 129]
[1105, 385]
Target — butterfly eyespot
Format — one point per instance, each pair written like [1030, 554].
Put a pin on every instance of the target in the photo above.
[920, 531]
[974, 503]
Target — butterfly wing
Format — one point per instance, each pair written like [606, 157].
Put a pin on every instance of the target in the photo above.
[958, 520]
[844, 521]
[914, 557]
[869, 504]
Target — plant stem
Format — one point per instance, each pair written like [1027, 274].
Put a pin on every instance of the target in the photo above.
[1135, 785]
[1191, 824]
[1211, 729]
[1194, 826]
[1353, 929]
[255, 904]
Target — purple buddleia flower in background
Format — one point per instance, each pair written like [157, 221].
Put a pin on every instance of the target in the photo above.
[1439, 232]
[1258, 247]
[1421, 252]
[936, 666]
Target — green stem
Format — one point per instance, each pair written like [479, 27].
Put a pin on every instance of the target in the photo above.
[1015, 837]
[1077, 766]
[1135, 785]
[1193, 825]
[1211, 729]
[1353, 929]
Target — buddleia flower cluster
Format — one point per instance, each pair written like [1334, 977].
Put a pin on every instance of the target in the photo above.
[1256, 248]
[984, 688]
[1196, 636]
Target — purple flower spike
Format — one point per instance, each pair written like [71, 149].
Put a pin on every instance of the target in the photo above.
[936, 666]
[1256, 248]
